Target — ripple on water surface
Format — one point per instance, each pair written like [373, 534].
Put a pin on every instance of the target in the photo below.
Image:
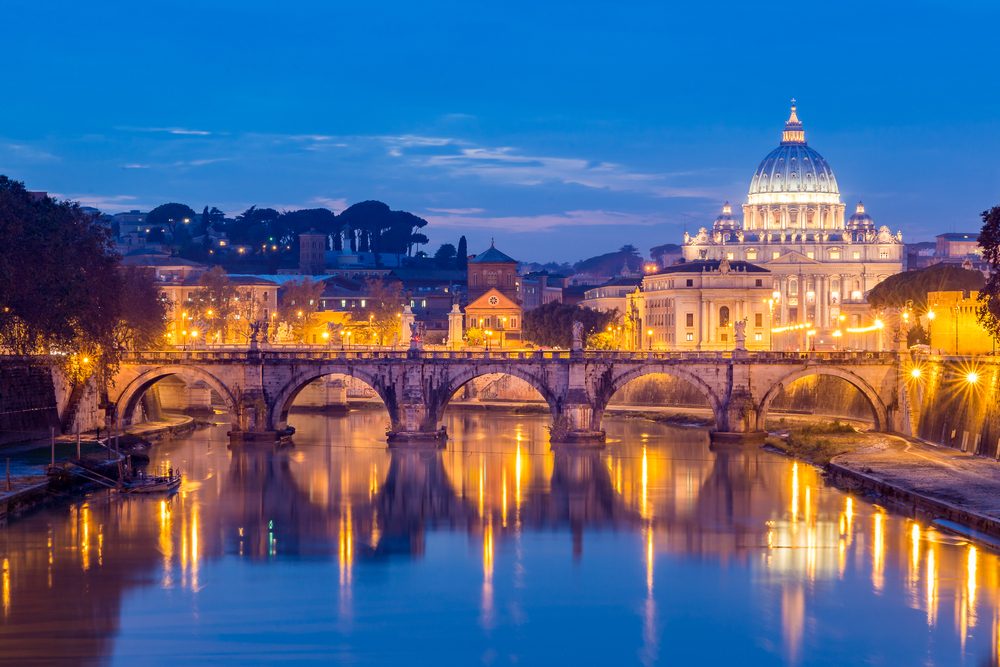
[654, 550]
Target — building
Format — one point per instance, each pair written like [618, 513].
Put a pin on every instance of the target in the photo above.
[611, 296]
[539, 288]
[312, 252]
[793, 225]
[958, 246]
[695, 305]
[493, 269]
[954, 327]
[497, 316]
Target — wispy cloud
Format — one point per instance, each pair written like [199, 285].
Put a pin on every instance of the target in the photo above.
[457, 211]
[136, 165]
[335, 204]
[107, 203]
[543, 222]
[178, 131]
[28, 153]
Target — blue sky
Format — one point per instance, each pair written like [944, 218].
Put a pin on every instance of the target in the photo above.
[562, 129]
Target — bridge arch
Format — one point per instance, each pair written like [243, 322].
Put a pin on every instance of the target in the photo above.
[132, 393]
[441, 397]
[880, 412]
[609, 386]
[282, 403]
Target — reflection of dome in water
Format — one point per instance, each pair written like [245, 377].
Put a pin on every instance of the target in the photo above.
[793, 167]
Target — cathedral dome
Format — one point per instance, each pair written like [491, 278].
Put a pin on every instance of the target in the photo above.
[726, 221]
[860, 220]
[793, 171]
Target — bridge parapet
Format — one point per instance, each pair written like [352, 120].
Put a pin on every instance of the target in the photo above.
[416, 386]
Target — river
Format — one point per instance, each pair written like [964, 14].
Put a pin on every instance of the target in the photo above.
[496, 550]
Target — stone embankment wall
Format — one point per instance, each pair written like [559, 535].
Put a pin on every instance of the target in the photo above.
[36, 396]
[948, 408]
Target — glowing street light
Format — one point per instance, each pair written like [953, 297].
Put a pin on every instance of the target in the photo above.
[649, 338]
[972, 377]
[915, 373]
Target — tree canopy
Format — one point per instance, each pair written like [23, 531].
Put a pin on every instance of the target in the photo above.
[989, 295]
[552, 323]
[895, 291]
[61, 287]
[612, 263]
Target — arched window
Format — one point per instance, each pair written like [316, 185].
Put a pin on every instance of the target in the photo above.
[724, 316]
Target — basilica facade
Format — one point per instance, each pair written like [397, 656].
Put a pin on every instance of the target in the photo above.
[821, 265]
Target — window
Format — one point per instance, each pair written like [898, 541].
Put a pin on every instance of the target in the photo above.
[689, 337]
[758, 319]
[758, 337]
[689, 320]
[883, 253]
[513, 323]
[775, 254]
[810, 254]
[362, 303]
[690, 282]
[752, 254]
[835, 253]
[343, 303]
[724, 337]
[730, 256]
[423, 303]
[724, 316]
[758, 283]
[856, 254]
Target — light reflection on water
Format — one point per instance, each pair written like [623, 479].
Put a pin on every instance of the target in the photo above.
[654, 550]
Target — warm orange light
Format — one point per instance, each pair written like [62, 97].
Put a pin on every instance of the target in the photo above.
[915, 373]
[972, 377]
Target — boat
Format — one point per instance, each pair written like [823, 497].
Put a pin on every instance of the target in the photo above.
[152, 484]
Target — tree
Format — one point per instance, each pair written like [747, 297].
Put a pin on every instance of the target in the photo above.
[144, 314]
[213, 306]
[462, 254]
[989, 295]
[552, 323]
[371, 226]
[61, 290]
[445, 256]
[174, 218]
[384, 305]
[299, 304]
[913, 286]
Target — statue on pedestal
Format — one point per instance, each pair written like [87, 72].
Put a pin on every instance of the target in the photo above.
[740, 329]
[577, 342]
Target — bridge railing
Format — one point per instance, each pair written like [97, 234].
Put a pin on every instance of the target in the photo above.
[173, 356]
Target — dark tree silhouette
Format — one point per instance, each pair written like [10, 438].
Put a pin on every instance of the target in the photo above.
[989, 296]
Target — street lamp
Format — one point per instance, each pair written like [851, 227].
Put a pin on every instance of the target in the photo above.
[649, 338]
[489, 335]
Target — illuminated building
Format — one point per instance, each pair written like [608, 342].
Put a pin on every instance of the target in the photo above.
[695, 305]
[822, 266]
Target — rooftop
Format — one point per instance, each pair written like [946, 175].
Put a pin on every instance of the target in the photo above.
[713, 266]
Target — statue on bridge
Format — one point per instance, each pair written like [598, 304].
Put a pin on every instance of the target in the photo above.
[576, 345]
[417, 331]
[740, 334]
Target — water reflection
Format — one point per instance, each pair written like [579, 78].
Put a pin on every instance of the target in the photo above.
[665, 539]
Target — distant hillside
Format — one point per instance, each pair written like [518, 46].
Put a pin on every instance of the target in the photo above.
[612, 263]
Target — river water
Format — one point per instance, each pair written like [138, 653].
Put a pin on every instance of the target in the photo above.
[655, 550]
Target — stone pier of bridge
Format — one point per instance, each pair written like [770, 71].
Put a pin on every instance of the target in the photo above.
[258, 387]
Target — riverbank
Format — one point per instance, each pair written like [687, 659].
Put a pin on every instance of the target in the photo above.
[953, 490]
[30, 488]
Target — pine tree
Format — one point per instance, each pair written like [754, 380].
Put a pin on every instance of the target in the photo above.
[462, 254]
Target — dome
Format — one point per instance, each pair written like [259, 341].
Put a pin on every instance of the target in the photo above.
[726, 220]
[793, 168]
[860, 220]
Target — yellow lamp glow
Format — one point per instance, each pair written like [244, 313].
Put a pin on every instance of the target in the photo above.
[915, 373]
[972, 377]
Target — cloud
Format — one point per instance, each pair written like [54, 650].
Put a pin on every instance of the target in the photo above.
[335, 204]
[28, 153]
[457, 211]
[543, 222]
[106, 203]
[178, 131]
[136, 165]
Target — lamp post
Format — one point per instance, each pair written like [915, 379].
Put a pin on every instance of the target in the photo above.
[489, 335]
[958, 309]
[649, 338]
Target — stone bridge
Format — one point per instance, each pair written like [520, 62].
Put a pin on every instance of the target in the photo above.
[259, 386]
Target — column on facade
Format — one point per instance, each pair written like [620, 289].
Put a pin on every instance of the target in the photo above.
[710, 321]
[820, 301]
[783, 281]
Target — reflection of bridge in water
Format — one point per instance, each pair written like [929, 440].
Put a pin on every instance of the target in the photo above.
[258, 387]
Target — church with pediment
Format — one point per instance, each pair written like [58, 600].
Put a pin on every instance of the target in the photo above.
[497, 315]
[822, 266]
